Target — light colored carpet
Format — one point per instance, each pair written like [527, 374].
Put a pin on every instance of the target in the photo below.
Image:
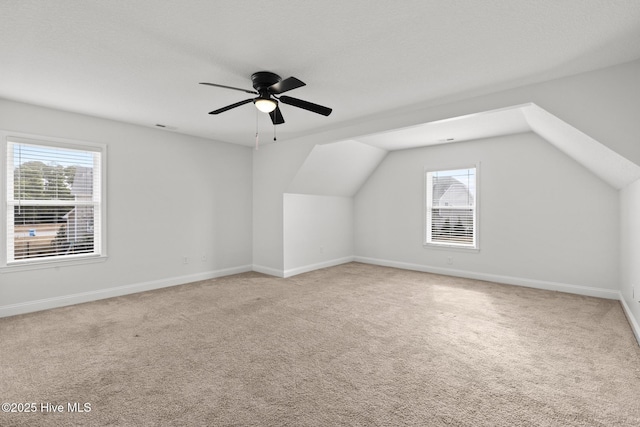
[353, 345]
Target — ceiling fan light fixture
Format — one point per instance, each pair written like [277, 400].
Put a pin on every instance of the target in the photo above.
[266, 105]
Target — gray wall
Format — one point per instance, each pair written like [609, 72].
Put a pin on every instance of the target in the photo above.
[169, 196]
[318, 232]
[544, 220]
[630, 252]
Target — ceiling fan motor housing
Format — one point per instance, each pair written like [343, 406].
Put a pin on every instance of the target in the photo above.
[263, 79]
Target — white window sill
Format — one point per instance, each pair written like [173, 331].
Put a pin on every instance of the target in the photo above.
[444, 246]
[38, 265]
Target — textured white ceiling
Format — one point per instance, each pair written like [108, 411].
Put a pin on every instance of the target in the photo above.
[141, 61]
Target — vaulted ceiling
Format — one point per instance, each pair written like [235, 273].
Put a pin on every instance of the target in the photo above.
[141, 61]
[340, 168]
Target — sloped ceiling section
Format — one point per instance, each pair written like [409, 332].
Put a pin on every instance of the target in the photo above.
[340, 168]
[485, 124]
[336, 169]
[608, 165]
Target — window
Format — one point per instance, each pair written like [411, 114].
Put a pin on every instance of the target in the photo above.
[54, 201]
[451, 215]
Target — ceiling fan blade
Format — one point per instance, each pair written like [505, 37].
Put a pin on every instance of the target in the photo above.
[229, 107]
[285, 85]
[325, 111]
[230, 87]
[276, 116]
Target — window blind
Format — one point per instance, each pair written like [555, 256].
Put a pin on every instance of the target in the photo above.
[53, 201]
[451, 207]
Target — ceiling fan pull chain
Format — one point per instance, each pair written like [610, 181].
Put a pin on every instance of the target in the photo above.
[274, 133]
[257, 137]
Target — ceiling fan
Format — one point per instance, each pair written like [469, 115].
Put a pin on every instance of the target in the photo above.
[267, 85]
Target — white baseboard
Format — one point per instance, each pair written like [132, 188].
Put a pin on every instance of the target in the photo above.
[509, 280]
[61, 301]
[306, 268]
[635, 327]
[268, 270]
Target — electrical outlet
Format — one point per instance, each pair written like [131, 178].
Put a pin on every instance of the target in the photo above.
[185, 260]
[450, 260]
[321, 249]
[203, 258]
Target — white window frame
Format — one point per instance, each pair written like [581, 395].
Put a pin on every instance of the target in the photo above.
[100, 218]
[428, 205]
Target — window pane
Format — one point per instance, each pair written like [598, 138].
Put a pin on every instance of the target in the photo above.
[45, 231]
[451, 207]
[454, 188]
[51, 173]
[53, 201]
[454, 226]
